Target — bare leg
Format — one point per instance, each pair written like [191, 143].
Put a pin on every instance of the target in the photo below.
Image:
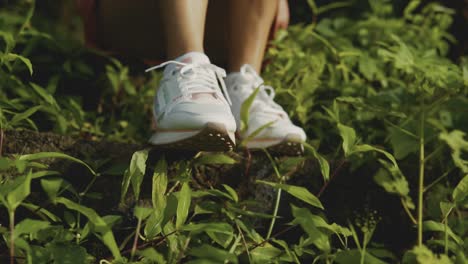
[151, 29]
[184, 25]
[249, 25]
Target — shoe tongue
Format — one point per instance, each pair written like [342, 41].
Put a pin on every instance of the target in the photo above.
[250, 81]
[254, 79]
[194, 57]
[191, 57]
[200, 58]
[244, 79]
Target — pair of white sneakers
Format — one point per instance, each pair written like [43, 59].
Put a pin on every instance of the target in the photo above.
[198, 107]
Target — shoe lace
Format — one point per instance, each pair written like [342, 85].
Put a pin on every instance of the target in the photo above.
[198, 78]
[266, 95]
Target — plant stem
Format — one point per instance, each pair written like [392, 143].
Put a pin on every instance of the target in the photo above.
[278, 196]
[446, 236]
[234, 246]
[181, 253]
[421, 176]
[408, 212]
[337, 170]
[243, 241]
[2, 135]
[135, 239]
[437, 180]
[363, 252]
[275, 213]
[12, 235]
[435, 152]
[173, 188]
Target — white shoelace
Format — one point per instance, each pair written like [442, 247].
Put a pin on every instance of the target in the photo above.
[200, 80]
[266, 94]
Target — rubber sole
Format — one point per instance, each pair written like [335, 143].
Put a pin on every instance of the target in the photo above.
[213, 137]
[290, 145]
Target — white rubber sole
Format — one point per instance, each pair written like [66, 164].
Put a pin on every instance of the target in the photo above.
[290, 145]
[212, 137]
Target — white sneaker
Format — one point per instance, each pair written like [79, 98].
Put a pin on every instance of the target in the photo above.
[190, 109]
[282, 135]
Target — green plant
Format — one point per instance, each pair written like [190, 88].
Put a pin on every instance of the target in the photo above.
[370, 83]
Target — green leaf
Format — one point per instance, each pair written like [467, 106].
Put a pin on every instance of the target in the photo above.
[9, 40]
[421, 254]
[367, 66]
[244, 111]
[68, 253]
[40, 174]
[231, 192]
[44, 94]
[324, 165]
[151, 255]
[458, 145]
[134, 174]
[236, 210]
[354, 256]
[40, 254]
[171, 209]
[439, 227]
[465, 75]
[350, 146]
[348, 135]
[214, 158]
[22, 116]
[366, 148]
[153, 225]
[403, 142]
[303, 217]
[183, 204]
[5, 163]
[412, 5]
[53, 155]
[218, 227]
[319, 222]
[22, 190]
[31, 227]
[206, 207]
[41, 211]
[296, 191]
[158, 195]
[51, 186]
[24, 60]
[24, 245]
[393, 181]
[222, 239]
[208, 252]
[461, 190]
[446, 208]
[70, 219]
[290, 255]
[100, 226]
[266, 254]
[141, 213]
[212, 192]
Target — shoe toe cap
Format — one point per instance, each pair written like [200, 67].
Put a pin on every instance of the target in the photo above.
[197, 116]
[280, 130]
